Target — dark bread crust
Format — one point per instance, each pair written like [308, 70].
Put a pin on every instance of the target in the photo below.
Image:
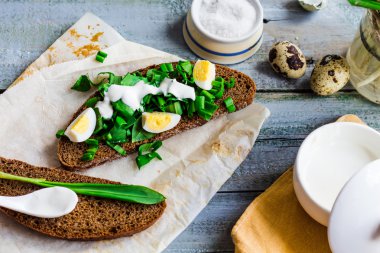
[92, 219]
[70, 153]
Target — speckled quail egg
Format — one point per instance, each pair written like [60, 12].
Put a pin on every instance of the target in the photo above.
[313, 5]
[330, 74]
[287, 59]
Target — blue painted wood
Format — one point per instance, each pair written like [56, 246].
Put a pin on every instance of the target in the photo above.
[28, 28]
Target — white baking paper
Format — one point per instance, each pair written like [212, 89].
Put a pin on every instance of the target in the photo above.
[195, 164]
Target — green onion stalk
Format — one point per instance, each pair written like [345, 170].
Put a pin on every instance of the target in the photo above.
[369, 4]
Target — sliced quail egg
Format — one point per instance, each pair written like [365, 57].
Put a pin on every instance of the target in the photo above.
[158, 122]
[82, 127]
[204, 74]
[330, 74]
[287, 59]
[313, 5]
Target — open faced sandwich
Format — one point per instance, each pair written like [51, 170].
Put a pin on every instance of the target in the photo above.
[135, 112]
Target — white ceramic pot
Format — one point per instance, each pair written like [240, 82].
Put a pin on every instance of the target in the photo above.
[327, 160]
[222, 50]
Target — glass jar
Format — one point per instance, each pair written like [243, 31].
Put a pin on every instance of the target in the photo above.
[364, 57]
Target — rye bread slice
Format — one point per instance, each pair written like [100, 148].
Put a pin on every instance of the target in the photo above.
[92, 219]
[70, 153]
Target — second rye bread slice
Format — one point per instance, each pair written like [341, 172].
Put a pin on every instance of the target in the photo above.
[92, 219]
[70, 153]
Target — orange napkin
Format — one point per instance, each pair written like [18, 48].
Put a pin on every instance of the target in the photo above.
[276, 222]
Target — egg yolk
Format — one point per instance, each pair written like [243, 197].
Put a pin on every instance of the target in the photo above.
[157, 121]
[201, 70]
[81, 125]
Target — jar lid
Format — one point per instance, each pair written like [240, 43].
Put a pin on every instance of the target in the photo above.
[354, 224]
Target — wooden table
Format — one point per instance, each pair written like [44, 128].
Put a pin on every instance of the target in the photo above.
[27, 29]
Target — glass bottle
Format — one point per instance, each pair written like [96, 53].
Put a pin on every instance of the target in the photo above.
[363, 57]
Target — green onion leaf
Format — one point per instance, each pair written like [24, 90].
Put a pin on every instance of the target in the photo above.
[125, 124]
[112, 79]
[370, 4]
[199, 103]
[82, 84]
[142, 160]
[149, 147]
[118, 135]
[102, 54]
[138, 133]
[91, 102]
[208, 95]
[164, 68]
[220, 93]
[191, 109]
[161, 103]
[117, 148]
[175, 108]
[205, 114]
[103, 88]
[60, 133]
[230, 104]
[93, 146]
[206, 109]
[99, 58]
[130, 80]
[155, 76]
[123, 109]
[231, 83]
[186, 66]
[99, 121]
[123, 192]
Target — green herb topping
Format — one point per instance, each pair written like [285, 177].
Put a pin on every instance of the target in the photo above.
[101, 56]
[125, 125]
[147, 152]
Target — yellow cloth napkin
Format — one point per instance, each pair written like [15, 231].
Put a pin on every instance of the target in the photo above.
[276, 222]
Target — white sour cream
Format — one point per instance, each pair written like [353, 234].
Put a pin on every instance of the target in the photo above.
[133, 95]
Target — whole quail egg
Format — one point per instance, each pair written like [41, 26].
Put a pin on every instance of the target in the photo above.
[313, 5]
[330, 74]
[287, 59]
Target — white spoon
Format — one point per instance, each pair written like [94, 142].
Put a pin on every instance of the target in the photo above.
[50, 202]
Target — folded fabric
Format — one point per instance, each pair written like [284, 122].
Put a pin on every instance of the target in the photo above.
[275, 222]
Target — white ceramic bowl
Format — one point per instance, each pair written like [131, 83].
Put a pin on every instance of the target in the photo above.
[327, 159]
[222, 50]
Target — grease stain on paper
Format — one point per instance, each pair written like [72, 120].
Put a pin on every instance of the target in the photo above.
[75, 34]
[96, 36]
[86, 50]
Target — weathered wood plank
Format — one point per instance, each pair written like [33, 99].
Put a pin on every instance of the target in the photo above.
[28, 28]
[210, 231]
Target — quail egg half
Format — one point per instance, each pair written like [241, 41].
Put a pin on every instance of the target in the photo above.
[330, 74]
[313, 5]
[287, 59]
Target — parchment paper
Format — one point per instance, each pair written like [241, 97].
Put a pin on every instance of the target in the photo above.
[195, 164]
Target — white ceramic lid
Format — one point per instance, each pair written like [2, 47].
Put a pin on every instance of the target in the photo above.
[354, 224]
